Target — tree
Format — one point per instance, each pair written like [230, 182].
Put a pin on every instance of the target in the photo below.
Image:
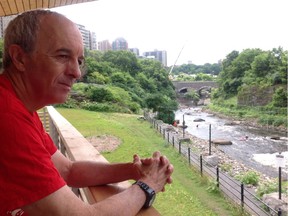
[123, 60]
[280, 98]
[146, 83]
[235, 66]
[97, 78]
[203, 77]
[192, 95]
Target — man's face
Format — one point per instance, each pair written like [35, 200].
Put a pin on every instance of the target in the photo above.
[54, 65]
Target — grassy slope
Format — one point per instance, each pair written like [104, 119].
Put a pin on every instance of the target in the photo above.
[186, 196]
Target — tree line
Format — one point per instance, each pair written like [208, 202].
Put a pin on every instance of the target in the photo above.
[118, 81]
[254, 69]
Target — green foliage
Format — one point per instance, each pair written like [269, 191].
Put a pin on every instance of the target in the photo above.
[252, 67]
[100, 94]
[129, 83]
[266, 188]
[103, 107]
[123, 61]
[97, 78]
[167, 116]
[213, 187]
[203, 77]
[198, 77]
[258, 81]
[273, 120]
[212, 69]
[70, 103]
[250, 177]
[226, 167]
[80, 87]
[192, 95]
[164, 107]
[280, 98]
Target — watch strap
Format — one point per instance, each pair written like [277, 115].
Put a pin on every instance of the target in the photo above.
[149, 192]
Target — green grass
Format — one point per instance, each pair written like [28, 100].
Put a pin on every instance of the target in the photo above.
[187, 195]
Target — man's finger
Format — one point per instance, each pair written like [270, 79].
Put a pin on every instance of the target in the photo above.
[156, 154]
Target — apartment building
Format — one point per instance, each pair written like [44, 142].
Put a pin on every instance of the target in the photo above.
[119, 44]
[104, 45]
[157, 55]
[89, 38]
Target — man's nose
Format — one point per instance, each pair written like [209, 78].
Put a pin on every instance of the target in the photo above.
[74, 69]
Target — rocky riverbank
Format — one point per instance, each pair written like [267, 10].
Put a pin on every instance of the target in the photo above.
[248, 122]
[234, 168]
[226, 163]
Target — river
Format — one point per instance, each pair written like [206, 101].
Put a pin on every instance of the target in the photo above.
[257, 151]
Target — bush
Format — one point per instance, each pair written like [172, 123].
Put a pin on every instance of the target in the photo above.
[226, 167]
[213, 187]
[100, 94]
[134, 107]
[280, 98]
[250, 177]
[69, 103]
[266, 188]
[272, 120]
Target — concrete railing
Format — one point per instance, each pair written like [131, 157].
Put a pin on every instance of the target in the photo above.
[74, 146]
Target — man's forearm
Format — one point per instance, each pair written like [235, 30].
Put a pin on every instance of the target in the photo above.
[86, 173]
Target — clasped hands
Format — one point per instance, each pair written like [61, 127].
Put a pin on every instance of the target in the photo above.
[155, 171]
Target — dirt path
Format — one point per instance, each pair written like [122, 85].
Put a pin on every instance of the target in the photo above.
[104, 143]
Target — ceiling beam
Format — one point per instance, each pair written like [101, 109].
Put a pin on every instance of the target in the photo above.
[11, 7]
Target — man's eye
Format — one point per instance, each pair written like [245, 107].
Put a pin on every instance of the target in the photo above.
[81, 62]
[62, 58]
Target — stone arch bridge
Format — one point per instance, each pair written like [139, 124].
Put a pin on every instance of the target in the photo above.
[198, 86]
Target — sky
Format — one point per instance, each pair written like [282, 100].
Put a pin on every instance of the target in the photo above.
[200, 31]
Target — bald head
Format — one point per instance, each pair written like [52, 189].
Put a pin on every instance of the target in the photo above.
[23, 31]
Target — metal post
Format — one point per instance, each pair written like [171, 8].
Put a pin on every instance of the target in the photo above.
[179, 147]
[279, 212]
[201, 165]
[280, 162]
[189, 155]
[209, 139]
[217, 173]
[280, 183]
[242, 195]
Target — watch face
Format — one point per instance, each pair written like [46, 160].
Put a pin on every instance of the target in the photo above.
[152, 199]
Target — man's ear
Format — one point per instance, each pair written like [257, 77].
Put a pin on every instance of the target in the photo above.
[17, 55]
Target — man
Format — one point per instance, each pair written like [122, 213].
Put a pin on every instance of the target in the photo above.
[43, 53]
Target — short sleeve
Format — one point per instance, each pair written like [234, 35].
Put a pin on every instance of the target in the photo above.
[27, 171]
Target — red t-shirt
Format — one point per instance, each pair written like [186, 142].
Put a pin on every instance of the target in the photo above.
[27, 172]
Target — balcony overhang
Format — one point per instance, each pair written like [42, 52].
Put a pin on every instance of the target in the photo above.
[12, 7]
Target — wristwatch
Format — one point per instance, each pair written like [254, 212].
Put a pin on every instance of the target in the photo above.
[149, 192]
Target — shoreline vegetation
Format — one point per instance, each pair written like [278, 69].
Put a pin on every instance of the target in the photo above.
[249, 122]
[257, 117]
